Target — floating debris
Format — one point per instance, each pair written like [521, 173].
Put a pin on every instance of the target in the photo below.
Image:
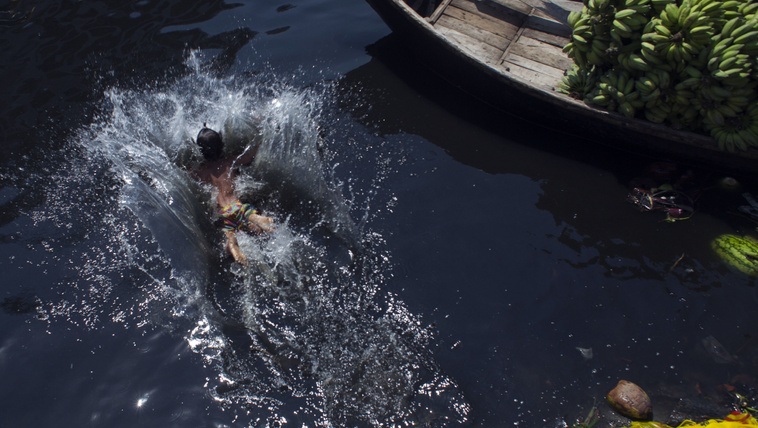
[676, 204]
[586, 352]
[733, 420]
[751, 208]
[717, 351]
[740, 253]
[590, 420]
[630, 400]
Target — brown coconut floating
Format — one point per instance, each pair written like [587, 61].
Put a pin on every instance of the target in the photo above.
[630, 400]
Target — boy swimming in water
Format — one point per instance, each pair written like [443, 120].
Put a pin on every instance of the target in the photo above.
[220, 173]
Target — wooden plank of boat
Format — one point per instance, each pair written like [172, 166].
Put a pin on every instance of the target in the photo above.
[461, 23]
[557, 41]
[495, 11]
[485, 23]
[487, 53]
[509, 52]
[538, 74]
[542, 52]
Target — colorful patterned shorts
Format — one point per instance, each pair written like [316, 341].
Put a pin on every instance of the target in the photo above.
[235, 216]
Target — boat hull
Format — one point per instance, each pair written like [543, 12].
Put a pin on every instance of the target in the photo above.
[551, 109]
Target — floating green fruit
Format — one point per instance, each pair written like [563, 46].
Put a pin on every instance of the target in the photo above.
[739, 253]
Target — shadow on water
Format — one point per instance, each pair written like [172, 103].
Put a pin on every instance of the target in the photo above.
[584, 184]
[554, 259]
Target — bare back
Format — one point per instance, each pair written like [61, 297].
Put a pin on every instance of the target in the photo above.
[220, 174]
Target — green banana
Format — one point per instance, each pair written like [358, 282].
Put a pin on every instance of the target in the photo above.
[672, 15]
[746, 38]
[727, 29]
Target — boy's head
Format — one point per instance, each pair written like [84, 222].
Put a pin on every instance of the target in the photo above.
[210, 144]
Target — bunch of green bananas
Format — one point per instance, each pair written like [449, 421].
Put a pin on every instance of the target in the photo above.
[692, 64]
[739, 131]
[630, 57]
[578, 82]
[617, 91]
[659, 95]
[677, 34]
[590, 29]
[628, 19]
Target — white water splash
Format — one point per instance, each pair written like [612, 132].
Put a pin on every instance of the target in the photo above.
[305, 335]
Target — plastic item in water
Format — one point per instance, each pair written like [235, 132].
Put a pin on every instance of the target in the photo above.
[733, 420]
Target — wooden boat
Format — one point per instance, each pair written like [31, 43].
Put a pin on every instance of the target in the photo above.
[509, 54]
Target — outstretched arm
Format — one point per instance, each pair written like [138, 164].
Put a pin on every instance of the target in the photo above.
[247, 156]
[233, 247]
[260, 223]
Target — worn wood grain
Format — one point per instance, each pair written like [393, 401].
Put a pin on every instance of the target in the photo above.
[548, 26]
[541, 52]
[472, 31]
[514, 5]
[438, 11]
[519, 13]
[482, 51]
[484, 21]
[492, 10]
[552, 39]
[552, 75]
[529, 77]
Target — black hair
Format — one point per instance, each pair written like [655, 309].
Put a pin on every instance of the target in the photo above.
[210, 144]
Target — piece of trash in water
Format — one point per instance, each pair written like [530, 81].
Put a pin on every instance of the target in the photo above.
[717, 351]
[752, 208]
[729, 183]
[676, 263]
[734, 419]
[586, 352]
[590, 420]
[676, 204]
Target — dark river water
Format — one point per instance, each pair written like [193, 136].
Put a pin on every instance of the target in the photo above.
[434, 263]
